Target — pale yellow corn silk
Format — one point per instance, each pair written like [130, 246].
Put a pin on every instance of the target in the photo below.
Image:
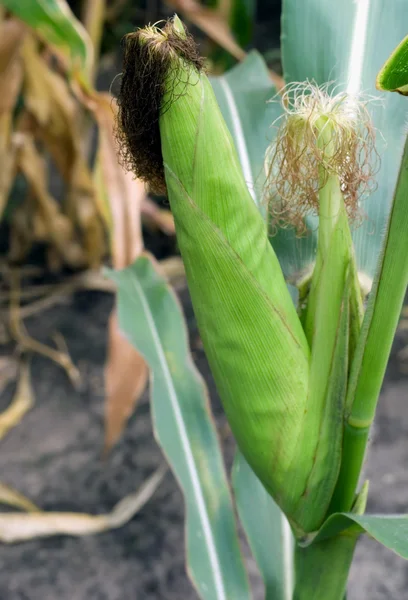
[297, 166]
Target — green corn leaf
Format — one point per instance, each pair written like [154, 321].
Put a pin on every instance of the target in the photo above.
[54, 22]
[390, 530]
[151, 318]
[243, 94]
[267, 530]
[393, 77]
[347, 42]
[373, 350]
[323, 559]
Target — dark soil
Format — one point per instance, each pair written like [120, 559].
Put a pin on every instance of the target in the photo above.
[54, 457]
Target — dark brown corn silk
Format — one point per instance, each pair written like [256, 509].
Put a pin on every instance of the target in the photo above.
[151, 55]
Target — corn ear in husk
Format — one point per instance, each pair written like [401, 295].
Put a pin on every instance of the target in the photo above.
[173, 136]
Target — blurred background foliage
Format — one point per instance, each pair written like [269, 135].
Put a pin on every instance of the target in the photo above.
[67, 208]
[53, 199]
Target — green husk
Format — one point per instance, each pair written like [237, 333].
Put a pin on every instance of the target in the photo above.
[286, 417]
[250, 330]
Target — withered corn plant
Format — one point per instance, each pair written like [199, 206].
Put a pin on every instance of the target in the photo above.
[299, 381]
[64, 191]
[42, 125]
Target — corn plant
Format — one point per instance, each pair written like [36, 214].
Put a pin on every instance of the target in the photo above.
[298, 368]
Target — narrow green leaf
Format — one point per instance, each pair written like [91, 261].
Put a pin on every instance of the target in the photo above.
[390, 530]
[151, 318]
[347, 42]
[267, 530]
[373, 350]
[55, 23]
[393, 76]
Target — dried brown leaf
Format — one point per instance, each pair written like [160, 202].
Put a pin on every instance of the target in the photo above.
[125, 371]
[213, 22]
[11, 497]
[57, 226]
[158, 217]
[125, 380]
[11, 77]
[12, 34]
[58, 117]
[172, 269]
[125, 194]
[37, 98]
[7, 156]
[8, 370]
[26, 342]
[18, 527]
[22, 402]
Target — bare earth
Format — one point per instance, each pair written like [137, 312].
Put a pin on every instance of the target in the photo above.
[54, 457]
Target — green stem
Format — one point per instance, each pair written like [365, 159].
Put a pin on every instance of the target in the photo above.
[322, 569]
[372, 353]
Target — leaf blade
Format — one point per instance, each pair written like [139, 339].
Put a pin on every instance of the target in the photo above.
[125, 381]
[389, 530]
[184, 429]
[125, 370]
[267, 530]
[393, 77]
[23, 401]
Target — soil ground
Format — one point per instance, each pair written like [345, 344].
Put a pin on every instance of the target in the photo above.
[54, 457]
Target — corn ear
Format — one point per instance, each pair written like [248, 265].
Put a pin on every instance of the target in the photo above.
[250, 330]
[255, 343]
